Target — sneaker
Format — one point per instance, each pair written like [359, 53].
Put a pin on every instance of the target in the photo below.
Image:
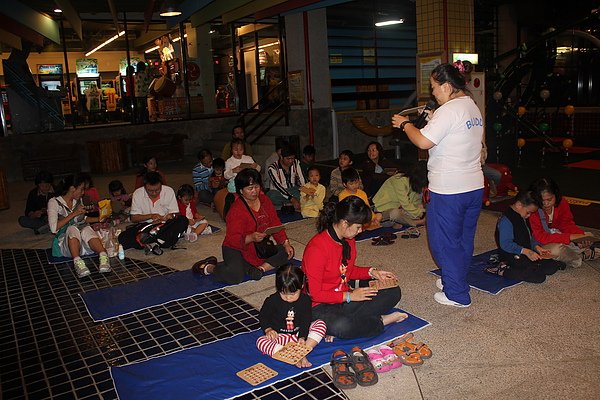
[156, 250]
[81, 269]
[104, 264]
[191, 237]
[441, 298]
[439, 284]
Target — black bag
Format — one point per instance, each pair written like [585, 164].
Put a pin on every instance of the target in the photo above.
[266, 248]
[165, 234]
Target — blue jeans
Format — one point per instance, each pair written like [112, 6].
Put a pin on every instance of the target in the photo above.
[451, 224]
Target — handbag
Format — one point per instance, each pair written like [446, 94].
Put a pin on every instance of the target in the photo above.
[266, 248]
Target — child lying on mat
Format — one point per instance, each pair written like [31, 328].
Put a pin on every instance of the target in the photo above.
[286, 316]
[524, 259]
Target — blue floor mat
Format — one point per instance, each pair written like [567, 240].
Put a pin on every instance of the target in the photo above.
[481, 280]
[115, 301]
[287, 218]
[209, 371]
[366, 235]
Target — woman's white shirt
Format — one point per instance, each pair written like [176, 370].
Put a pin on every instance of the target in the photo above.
[58, 209]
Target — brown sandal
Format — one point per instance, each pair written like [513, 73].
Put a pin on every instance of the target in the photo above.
[343, 377]
[200, 266]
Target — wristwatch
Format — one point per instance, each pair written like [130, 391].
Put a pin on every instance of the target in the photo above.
[403, 124]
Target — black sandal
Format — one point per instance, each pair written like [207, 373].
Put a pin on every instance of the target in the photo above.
[343, 377]
[200, 266]
[498, 269]
[382, 241]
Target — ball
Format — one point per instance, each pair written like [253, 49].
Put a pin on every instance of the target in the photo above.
[567, 143]
[520, 142]
[569, 110]
[521, 111]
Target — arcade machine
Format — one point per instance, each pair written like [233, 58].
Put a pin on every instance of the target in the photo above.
[50, 77]
[87, 74]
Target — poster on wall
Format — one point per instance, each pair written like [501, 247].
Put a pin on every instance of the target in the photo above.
[296, 88]
[425, 65]
[86, 67]
[49, 69]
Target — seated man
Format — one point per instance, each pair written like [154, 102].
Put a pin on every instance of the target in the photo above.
[236, 133]
[154, 204]
[286, 179]
[36, 216]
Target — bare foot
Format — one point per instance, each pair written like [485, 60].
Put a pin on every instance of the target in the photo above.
[265, 267]
[393, 317]
[397, 226]
[304, 363]
[329, 338]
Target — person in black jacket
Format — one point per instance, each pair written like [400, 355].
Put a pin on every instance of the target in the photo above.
[286, 316]
[523, 257]
[36, 216]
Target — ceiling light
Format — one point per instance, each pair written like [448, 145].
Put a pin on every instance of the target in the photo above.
[151, 49]
[57, 10]
[390, 22]
[170, 8]
[105, 43]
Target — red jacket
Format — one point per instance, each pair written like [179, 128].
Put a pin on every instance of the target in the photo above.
[182, 208]
[240, 223]
[321, 264]
[562, 220]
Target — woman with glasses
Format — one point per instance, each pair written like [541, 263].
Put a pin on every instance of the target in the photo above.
[249, 216]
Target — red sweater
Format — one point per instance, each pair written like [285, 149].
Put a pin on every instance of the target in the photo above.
[562, 220]
[321, 264]
[182, 208]
[240, 224]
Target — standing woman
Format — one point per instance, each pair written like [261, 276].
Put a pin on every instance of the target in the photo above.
[453, 137]
[328, 263]
[66, 216]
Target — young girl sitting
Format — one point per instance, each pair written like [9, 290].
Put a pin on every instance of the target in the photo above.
[198, 225]
[312, 194]
[522, 256]
[120, 200]
[237, 162]
[286, 316]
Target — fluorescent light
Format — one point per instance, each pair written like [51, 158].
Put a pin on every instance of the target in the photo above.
[177, 39]
[151, 49]
[57, 10]
[269, 45]
[105, 43]
[391, 22]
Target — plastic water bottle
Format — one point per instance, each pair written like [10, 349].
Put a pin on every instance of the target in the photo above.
[121, 252]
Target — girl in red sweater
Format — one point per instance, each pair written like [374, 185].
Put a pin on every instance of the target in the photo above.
[328, 263]
[553, 225]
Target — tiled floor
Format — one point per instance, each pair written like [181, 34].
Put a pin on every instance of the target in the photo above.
[51, 348]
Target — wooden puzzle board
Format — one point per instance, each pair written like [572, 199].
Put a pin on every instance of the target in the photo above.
[292, 353]
[383, 283]
[258, 373]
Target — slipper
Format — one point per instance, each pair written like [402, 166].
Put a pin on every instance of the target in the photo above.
[390, 357]
[199, 267]
[411, 359]
[498, 269]
[378, 361]
[382, 241]
[340, 363]
[365, 372]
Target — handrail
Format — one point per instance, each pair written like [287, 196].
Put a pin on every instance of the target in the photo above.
[262, 106]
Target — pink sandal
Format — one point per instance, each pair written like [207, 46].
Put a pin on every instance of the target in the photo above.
[390, 357]
[378, 361]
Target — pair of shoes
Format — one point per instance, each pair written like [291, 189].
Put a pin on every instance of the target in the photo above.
[439, 284]
[384, 359]
[81, 269]
[104, 264]
[154, 248]
[352, 369]
[441, 298]
[382, 241]
[411, 354]
[411, 233]
[497, 269]
[199, 267]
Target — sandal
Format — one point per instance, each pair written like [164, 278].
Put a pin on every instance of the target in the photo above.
[405, 346]
[411, 233]
[497, 269]
[378, 361]
[365, 372]
[199, 267]
[382, 241]
[390, 357]
[340, 363]
[390, 236]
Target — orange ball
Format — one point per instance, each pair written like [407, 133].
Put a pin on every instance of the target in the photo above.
[521, 110]
[569, 110]
[567, 143]
[520, 142]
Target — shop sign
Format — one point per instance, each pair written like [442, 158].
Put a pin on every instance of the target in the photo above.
[49, 69]
[86, 67]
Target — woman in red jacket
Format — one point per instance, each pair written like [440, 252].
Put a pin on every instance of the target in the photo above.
[243, 230]
[553, 225]
[328, 263]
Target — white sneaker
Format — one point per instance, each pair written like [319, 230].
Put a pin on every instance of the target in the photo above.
[441, 298]
[439, 284]
[81, 269]
[104, 264]
[191, 237]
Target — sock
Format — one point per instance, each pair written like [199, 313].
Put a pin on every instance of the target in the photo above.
[76, 258]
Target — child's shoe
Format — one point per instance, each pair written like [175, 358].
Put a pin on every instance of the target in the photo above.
[191, 237]
[104, 264]
[390, 357]
[378, 361]
[81, 269]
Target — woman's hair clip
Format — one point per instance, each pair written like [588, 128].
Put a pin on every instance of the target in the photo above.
[458, 64]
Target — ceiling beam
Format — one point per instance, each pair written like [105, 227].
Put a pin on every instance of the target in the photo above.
[249, 9]
[10, 40]
[30, 18]
[148, 15]
[283, 7]
[215, 10]
[114, 14]
[70, 14]
[22, 31]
